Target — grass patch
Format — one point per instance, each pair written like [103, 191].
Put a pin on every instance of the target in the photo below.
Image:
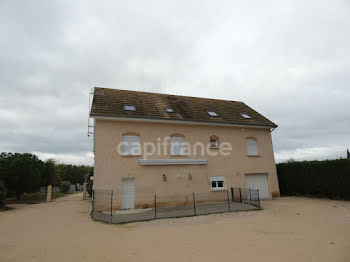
[33, 198]
[5, 208]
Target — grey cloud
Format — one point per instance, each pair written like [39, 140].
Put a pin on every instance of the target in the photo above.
[288, 60]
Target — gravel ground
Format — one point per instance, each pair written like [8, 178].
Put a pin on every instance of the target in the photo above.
[288, 229]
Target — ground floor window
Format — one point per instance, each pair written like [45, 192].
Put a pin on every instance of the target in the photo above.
[217, 182]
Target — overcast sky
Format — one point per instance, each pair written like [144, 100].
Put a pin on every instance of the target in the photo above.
[289, 60]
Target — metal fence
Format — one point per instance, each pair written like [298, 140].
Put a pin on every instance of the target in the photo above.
[117, 206]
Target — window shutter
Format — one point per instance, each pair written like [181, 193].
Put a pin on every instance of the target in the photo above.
[177, 145]
[252, 148]
[131, 145]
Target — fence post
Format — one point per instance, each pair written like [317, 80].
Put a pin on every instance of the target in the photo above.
[257, 191]
[93, 204]
[155, 206]
[111, 206]
[232, 194]
[194, 204]
[228, 201]
[240, 195]
[84, 191]
[250, 196]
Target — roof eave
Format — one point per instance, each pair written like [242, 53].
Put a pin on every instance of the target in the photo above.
[178, 121]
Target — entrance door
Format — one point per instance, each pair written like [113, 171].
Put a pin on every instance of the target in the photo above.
[258, 181]
[128, 193]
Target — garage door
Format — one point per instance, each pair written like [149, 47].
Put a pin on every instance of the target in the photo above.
[258, 181]
[128, 193]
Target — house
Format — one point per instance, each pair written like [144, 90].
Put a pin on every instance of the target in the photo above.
[173, 145]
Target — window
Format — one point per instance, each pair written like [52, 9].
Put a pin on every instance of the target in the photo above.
[245, 116]
[212, 113]
[217, 182]
[169, 110]
[177, 145]
[214, 142]
[252, 147]
[131, 145]
[129, 108]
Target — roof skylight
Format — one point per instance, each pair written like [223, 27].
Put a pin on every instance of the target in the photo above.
[129, 108]
[212, 113]
[169, 110]
[246, 116]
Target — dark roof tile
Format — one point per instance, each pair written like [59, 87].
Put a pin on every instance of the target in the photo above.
[110, 103]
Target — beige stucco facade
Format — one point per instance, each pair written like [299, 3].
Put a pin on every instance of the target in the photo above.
[111, 167]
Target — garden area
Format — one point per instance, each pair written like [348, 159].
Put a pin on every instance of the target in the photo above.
[24, 179]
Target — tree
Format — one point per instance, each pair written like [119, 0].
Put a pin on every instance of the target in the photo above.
[2, 194]
[74, 174]
[26, 173]
[48, 173]
[290, 160]
[65, 186]
[21, 172]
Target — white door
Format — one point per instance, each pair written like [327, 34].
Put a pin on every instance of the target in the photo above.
[258, 181]
[128, 193]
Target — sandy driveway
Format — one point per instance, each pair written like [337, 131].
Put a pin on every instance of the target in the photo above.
[288, 229]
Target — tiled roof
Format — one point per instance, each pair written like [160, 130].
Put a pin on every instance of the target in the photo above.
[110, 103]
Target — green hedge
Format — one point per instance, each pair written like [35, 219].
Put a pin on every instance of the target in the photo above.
[329, 178]
[2, 194]
[89, 187]
[65, 185]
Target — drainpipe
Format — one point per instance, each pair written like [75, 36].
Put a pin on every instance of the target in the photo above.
[206, 170]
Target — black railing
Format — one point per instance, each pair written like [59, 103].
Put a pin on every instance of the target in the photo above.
[115, 206]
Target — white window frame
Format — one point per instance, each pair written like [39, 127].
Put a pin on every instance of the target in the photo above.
[216, 180]
[129, 108]
[246, 116]
[252, 147]
[212, 113]
[177, 146]
[131, 145]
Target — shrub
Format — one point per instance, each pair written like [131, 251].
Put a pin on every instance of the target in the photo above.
[65, 185]
[328, 178]
[2, 194]
[89, 187]
[20, 172]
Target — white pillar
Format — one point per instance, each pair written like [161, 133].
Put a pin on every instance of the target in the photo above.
[49, 192]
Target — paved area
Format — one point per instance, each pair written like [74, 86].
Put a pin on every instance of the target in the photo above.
[288, 229]
[172, 212]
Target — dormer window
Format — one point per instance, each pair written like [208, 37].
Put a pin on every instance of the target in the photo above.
[129, 108]
[169, 110]
[212, 113]
[245, 116]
